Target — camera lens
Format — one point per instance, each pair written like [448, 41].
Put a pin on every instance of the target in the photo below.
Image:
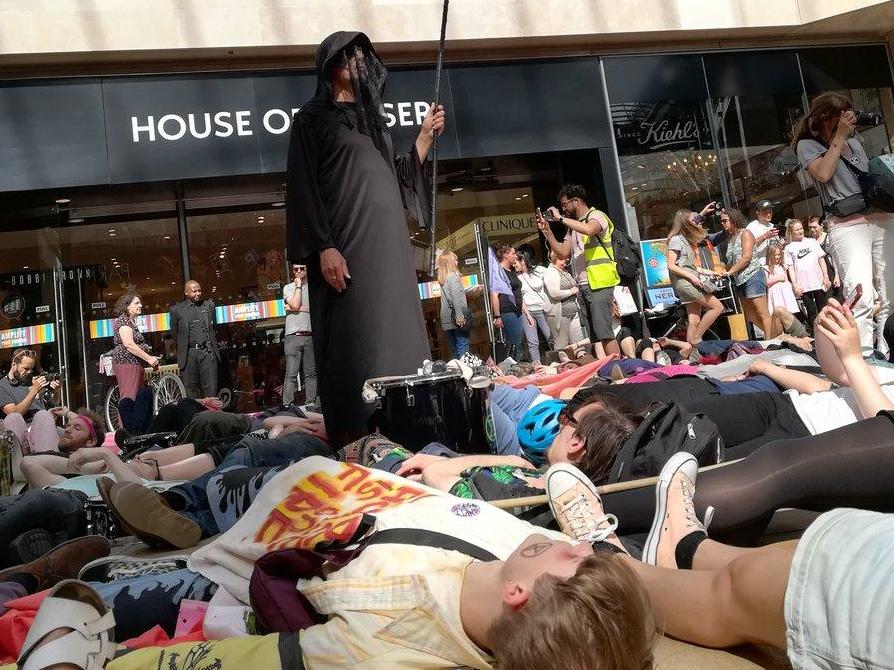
[869, 119]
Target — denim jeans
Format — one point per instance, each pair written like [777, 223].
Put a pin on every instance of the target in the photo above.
[192, 499]
[52, 510]
[512, 333]
[459, 341]
[508, 406]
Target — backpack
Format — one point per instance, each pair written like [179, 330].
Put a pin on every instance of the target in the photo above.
[666, 429]
[625, 254]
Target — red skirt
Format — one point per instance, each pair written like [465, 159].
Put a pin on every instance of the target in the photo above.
[130, 379]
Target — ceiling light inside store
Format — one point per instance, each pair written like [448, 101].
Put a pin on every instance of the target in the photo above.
[456, 190]
[278, 203]
[112, 230]
[167, 237]
[518, 198]
[634, 188]
[641, 167]
[63, 201]
[524, 195]
[76, 220]
[111, 234]
[24, 267]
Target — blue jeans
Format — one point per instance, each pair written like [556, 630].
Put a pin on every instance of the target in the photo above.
[459, 342]
[512, 333]
[507, 407]
[192, 499]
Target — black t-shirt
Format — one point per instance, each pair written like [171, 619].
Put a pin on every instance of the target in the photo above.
[506, 306]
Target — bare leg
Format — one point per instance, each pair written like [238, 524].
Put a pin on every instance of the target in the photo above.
[628, 348]
[740, 603]
[648, 354]
[714, 310]
[613, 348]
[175, 454]
[599, 349]
[190, 468]
[762, 314]
[694, 318]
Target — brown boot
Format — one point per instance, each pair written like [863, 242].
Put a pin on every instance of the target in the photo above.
[148, 516]
[63, 562]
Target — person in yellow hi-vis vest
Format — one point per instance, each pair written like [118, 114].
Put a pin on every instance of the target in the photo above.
[589, 246]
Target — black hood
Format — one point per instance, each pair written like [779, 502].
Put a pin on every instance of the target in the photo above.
[330, 48]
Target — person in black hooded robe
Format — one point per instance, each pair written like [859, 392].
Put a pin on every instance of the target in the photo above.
[346, 196]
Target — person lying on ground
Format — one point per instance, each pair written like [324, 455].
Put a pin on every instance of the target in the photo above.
[52, 461]
[190, 460]
[806, 597]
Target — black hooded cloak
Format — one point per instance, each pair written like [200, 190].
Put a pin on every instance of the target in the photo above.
[343, 192]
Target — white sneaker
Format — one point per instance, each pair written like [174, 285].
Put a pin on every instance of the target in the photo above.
[675, 516]
[577, 506]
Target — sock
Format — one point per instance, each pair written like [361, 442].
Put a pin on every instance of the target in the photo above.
[685, 551]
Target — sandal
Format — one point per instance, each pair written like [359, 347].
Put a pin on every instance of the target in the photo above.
[89, 644]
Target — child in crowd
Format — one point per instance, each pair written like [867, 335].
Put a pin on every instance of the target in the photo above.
[780, 293]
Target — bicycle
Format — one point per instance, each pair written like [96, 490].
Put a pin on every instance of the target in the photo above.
[164, 382]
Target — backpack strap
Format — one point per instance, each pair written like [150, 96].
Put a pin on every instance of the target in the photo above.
[429, 538]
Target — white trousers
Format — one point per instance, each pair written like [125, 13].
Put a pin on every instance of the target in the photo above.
[861, 251]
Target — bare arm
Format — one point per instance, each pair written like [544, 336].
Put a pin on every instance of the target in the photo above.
[21, 407]
[673, 268]
[126, 333]
[293, 302]
[747, 252]
[823, 167]
[837, 325]
[442, 475]
[561, 249]
[803, 382]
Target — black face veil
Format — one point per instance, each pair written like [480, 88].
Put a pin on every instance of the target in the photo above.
[368, 82]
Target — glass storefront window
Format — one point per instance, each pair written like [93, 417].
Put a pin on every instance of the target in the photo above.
[666, 150]
[239, 259]
[755, 99]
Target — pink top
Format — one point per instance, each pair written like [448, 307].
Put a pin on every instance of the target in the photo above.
[804, 255]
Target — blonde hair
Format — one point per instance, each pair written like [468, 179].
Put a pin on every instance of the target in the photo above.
[447, 264]
[683, 226]
[789, 224]
[599, 618]
[771, 255]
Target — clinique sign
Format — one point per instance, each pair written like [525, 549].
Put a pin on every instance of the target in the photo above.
[202, 125]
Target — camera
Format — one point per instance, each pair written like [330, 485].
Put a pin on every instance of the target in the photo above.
[46, 393]
[868, 118]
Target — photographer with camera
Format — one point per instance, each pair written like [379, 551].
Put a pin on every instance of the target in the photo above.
[588, 243]
[21, 392]
[832, 153]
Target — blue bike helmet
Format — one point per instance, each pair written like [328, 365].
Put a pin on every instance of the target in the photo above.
[538, 428]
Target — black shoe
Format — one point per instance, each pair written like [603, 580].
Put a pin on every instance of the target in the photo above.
[113, 568]
[121, 436]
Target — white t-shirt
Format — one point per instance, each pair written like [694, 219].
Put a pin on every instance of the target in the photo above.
[829, 410]
[804, 256]
[757, 229]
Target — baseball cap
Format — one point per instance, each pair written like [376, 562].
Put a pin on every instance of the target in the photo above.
[763, 204]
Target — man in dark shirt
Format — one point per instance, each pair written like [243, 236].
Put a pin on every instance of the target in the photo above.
[19, 392]
[192, 322]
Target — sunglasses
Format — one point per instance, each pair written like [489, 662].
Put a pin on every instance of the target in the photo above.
[299, 268]
[566, 417]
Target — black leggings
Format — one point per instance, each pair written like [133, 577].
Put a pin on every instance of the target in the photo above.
[814, 301]
[852, 466]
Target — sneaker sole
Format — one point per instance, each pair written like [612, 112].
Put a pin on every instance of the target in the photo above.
[674, 463]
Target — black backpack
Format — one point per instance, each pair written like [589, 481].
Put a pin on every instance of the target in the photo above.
[625, 254]
[666, 429]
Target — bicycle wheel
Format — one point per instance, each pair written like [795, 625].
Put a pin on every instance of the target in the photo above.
[169, 389]
[113, 416]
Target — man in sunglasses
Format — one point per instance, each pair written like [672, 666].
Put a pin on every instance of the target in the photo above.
[299, 345]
